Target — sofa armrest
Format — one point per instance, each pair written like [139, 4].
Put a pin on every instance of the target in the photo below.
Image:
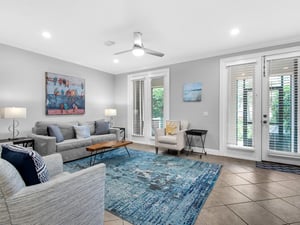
[54, 164]
[76, 198]
[159, 132]
[180, 137]
[115, 131]
[44, 145]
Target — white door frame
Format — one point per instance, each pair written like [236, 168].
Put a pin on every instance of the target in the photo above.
[254, 153]
[276, 156]
[147, 76]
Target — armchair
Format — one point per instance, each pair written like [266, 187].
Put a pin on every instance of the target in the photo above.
[67, 198]
[175, 141]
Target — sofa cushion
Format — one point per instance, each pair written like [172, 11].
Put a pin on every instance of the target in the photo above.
[104, 137]
[91, 125]
[73, 143]
[172, 127]
[40, 127]
[82, 131]
[167, 139]
[102, 127]
[54, 131]
[67, 129]
[28, 162]
[10, 180]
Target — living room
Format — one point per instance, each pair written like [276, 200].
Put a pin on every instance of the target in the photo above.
[23, 64]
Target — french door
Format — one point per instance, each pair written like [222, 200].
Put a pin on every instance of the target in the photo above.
[260, 108]
[148, 100]
[280, 113]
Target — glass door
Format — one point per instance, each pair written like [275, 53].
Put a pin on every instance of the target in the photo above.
[148, 104]
[280, 126]
[157, 104]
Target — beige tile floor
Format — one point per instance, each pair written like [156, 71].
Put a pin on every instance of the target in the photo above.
[242, 195]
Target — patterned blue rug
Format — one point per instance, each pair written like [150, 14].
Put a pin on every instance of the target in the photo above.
[278, 167]
[149, 189]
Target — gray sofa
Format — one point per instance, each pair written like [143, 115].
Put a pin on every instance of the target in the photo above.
[71, 148]
[65, 199]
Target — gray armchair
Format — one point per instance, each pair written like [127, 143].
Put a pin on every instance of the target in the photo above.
[173, 142]
[67, 198]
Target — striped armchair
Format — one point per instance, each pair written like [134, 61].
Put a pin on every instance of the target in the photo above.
[76, 198]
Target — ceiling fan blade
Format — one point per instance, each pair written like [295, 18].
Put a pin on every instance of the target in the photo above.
[118, 53]
[152, 52]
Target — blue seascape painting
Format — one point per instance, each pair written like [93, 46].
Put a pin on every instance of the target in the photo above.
[192, 92]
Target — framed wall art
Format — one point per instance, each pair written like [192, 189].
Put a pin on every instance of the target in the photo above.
[192, 92]
[65, 95]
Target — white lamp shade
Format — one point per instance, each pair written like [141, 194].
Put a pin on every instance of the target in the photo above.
[110, 112]
[13, 112]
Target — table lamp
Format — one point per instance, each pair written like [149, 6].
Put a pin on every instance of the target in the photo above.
[13, 113]
[110, 113]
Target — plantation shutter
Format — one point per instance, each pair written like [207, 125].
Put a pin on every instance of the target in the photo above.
[283, 104]
[138, 107]
[241, 105]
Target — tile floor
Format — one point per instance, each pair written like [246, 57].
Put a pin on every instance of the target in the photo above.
[242, 195]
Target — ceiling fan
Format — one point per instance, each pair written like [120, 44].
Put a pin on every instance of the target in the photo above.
[138, 47]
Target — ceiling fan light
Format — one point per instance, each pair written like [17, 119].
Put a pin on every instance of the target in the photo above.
[138, 52]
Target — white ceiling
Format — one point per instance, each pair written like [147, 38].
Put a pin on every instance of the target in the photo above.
[183, 30]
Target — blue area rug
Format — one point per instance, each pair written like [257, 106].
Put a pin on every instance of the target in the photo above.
[149, 189]
[278, 167]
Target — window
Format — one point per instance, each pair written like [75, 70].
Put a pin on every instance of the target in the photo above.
[283, 104]
[241, 103]
[138, 107]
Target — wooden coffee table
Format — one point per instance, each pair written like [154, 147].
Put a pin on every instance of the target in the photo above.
[105, 147]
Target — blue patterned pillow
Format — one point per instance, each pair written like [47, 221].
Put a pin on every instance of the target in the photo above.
[54, 131]
[28, 162]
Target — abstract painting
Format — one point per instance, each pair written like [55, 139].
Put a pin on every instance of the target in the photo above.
[192, 92]
[65, 95]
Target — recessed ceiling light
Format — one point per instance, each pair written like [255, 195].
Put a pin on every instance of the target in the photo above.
[116, 60]
[285, 68]
[234, 31]
[46, 35]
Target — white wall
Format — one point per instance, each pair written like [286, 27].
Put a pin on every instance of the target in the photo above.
[22, 83]
[206, 71]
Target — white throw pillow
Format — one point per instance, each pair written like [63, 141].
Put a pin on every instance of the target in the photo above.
[82, 131]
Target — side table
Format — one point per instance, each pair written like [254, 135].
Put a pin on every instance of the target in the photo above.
[196, 132]
[122, 132]
[25, 142]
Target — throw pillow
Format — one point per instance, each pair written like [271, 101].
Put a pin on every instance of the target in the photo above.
[91, 125]
[28, 162]
[54, 131]
[102, 127]
[172, 127]
[82, 131]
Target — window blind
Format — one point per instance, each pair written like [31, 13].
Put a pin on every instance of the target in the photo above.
[283, 104]
[138, 107]
[241, 105]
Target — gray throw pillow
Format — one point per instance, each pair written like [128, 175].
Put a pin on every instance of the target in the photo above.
[54, 131]
[102, 127]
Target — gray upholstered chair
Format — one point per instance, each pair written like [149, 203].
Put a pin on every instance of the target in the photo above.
[67, 198]
[173, 142]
